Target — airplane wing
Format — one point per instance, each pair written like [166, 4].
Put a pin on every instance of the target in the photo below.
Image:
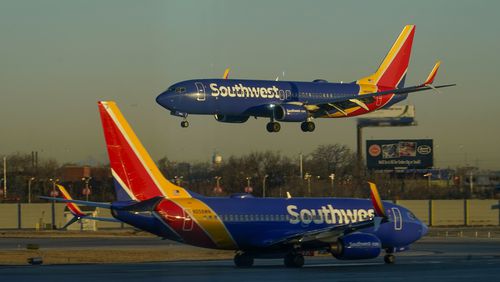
[331, 234]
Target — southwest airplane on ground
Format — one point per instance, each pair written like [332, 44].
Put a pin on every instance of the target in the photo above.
[253, 227]
[235, 100]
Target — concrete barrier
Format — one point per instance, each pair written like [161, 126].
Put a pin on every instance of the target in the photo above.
[33, 215]
[447, 212]
[479, 212]
[8, 216]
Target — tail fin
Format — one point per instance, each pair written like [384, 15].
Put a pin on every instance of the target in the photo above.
[73, 208]
[135, 174]
[392, 71]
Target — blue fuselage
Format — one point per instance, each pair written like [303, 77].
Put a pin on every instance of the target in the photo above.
[235, 97]
[257, 223]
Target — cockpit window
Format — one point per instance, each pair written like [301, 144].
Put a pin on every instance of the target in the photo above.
[170, 89]
[180, 89]
[411, 216]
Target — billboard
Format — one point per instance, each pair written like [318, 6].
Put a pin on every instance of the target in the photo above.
[395, 111]
[399, 154]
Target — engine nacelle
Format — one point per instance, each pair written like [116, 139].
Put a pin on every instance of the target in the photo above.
[356, 246]
[231, 119]
[292, 113]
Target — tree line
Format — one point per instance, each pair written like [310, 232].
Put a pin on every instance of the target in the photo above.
[329, 170]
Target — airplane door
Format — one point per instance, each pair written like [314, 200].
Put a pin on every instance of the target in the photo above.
[200, 96]
[398, 220]
[187, 225]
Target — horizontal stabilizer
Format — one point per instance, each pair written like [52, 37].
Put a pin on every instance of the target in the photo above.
[146, 205]
[85, 203]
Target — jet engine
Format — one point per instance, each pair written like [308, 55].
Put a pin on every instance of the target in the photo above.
[290, 112]
[356, 246]
[231, 119]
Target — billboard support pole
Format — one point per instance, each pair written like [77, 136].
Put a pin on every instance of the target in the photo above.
[359, 139]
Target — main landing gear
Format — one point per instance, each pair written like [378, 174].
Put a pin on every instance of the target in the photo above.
[294, 260]
[307, 126]
[273, 126]
[242, 259]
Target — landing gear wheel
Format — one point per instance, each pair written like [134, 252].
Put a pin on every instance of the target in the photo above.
[389, 259]
[294, 260]
[184, 123]
[273, 126]
[307, 126]
[243, 260]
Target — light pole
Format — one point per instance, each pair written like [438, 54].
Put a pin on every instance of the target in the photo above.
[29, 189]
[53, 193]
[4, 177]
[264, 185]
[307, 177]
[428, 175]
[86, 190]
[332, 182]
[301, 167]
[217, 188]
[248, 189]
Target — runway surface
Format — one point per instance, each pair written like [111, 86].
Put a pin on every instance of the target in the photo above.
[430, 260]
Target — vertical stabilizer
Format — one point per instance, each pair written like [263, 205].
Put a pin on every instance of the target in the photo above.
[135, 174]
[392, 71]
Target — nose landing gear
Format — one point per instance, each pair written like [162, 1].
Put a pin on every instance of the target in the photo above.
[389, 258]
[184, 123]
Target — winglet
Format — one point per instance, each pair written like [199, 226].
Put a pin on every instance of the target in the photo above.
[226, 73]
[377, 202]
[432, 74]
[73, 208]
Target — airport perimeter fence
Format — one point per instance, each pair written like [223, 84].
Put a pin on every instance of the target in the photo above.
[46, 216]
[435, 213]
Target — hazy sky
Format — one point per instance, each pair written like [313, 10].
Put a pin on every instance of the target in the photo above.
[58, 58]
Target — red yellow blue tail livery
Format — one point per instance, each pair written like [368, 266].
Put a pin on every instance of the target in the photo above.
[254, 227]
[76, 211]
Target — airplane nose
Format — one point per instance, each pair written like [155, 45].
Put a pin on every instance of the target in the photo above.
[166, 100]
[425, 229]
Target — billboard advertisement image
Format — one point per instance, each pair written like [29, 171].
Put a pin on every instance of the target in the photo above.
[399, 154]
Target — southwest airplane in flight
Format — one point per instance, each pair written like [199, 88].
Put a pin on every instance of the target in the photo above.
[253, 227]
[235, 100]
